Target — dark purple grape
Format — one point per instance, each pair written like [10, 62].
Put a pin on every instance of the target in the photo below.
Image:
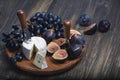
[33, 19]
[55, 17]
[56, 28]
[40, 20]
[55, 23]
[32, 34]
[44, 29]
[43, 14]
[31, 28]
[45, 23]
[20, 40]
[13, 59]
[59, 21]
[50, 20]
[37, 32]
[19, 58]
[104, 26]
[19, 53]
[50, 15]
[16, 45]
[16, 33]
[6, 35]
[58, 34]
[5, 40]
[20, 36]
[84, 20]
[77, 39]
[61, 29]
[15, 27]
[50, 26]
[37, 14]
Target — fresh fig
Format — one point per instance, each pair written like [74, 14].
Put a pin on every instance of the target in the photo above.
[52, 47]
[49, 35]
[90, 30]
[60, 55]
[60, 41]
[74, 51]
[72, 32]
[77, 39]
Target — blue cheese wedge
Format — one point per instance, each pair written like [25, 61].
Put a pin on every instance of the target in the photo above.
[40, 61]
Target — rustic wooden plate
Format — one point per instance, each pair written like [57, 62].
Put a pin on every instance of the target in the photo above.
[53, 68]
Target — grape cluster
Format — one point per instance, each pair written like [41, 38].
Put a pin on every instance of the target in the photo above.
[13, 39]
[42, 22]
[17, 57]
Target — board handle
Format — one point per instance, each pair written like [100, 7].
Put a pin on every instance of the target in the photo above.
[67, 26]
[22, 18]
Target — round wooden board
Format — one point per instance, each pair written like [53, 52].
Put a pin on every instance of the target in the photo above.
[53, 68]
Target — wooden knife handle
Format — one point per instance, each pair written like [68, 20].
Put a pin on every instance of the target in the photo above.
[22, 17]
[67, 26]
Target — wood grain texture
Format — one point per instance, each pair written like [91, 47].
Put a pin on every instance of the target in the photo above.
[102, 60]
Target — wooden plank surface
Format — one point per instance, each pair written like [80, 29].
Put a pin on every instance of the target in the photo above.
[102, 60]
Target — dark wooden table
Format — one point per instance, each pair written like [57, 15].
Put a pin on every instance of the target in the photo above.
[102, 60]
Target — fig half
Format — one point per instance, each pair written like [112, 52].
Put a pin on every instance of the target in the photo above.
[90, 30]
[60, 41]
[72, 32]
[52, 47]
[60, 55]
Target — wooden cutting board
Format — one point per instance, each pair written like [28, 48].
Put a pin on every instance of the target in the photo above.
[53, 68]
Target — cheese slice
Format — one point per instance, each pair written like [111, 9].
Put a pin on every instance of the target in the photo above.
[28, 49]
[40, 61]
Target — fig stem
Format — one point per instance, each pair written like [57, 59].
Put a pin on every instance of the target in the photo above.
[67, 26]
[22, 18]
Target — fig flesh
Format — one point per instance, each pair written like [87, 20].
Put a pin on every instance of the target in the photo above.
[60, 55]
[90, 30]
[52, 47]
[72, 32]
[60, 41]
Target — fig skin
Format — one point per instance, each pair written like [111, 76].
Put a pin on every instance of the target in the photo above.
[60, 55]
[77, 39]
[49, 35]
[74, 51]
[52, 47]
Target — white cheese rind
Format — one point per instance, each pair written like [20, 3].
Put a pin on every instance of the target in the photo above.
[28, 48]
[40, 44]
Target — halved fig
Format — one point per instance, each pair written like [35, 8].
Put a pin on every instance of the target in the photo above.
[60, 55]
[91, 29]
[60, 41]
[72, 32]
[52, 47]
